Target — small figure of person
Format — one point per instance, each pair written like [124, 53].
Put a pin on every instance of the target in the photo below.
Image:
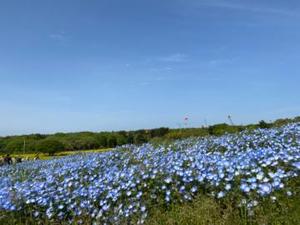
[7, 159]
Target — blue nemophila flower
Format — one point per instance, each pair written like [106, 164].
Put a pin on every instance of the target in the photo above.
[168, 180]
[228, 187]
[194, 189]
[265, 189]
[221, 194]
[296, 164]
[111, 186]
[260, 176]
[245, 188]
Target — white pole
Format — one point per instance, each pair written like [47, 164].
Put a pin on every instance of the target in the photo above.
[24, 146]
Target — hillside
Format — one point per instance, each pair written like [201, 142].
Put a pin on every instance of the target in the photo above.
[247, 178]
[60, 142]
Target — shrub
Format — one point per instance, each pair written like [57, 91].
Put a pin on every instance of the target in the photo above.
[264, 125]
[49, 146]
[15, 145]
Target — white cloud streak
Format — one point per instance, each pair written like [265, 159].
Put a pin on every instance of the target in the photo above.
[176, 58]
[248, 7]
[58, 36]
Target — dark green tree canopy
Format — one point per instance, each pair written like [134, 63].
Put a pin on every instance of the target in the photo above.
[49, 146]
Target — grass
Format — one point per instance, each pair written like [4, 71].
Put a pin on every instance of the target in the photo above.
[45, 156]
[205, 210]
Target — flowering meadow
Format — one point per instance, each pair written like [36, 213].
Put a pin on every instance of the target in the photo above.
[122, 186]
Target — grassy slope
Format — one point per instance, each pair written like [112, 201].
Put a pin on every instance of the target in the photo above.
[60, 154]
[208, 211]
[203, 210]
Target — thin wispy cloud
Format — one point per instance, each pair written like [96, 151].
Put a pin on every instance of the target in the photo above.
[161, 69]
[58, 36]
[219, 61]
[178, 57]
[145, 83]
[247, 7]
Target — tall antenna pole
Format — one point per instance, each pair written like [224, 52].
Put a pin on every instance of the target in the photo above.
[230, 120]
[186, 120]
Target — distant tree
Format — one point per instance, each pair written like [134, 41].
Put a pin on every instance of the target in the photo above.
[14, 145]
[49, 146]
[296, 119]
[121, 139]
[140, 138]
[218, 129]
[35, 136]
[281, 122]
[2, 144]
[223, 128]
[130, 138]
[122, 132]
[264, 125]
[174, 134]
[90, 140]
[102, 140]
[30, 146]
[111, 141]
[159, 132]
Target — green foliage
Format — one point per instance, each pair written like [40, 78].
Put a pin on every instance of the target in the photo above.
[185, 133]
[160, 132]
[102, 141]
[296, 119]
[15, 145]
[205, 210]
[220, 129]
[121, 139]
[49, 146]
[140, 138]
[89, 140]
[262, 124]
[111, 141]
[281, 122]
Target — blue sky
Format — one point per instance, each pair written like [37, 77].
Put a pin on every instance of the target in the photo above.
[74, 65]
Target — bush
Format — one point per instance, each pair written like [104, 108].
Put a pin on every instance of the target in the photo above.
[220, 129]
[49, 146]
[15, 145]
[264, 125]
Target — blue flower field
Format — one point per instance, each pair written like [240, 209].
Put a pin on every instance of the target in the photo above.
[126, 185]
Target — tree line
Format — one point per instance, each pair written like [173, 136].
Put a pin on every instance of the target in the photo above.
[40, 143]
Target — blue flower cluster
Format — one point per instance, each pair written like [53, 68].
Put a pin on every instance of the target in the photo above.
[122, 184]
